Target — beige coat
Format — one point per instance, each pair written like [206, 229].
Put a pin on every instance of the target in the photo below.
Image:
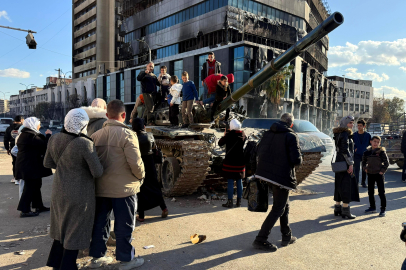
[118, 150]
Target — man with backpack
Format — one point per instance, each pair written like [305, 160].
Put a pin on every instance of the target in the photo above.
[9, 141]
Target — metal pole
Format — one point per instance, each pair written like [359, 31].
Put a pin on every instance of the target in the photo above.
[18, 29]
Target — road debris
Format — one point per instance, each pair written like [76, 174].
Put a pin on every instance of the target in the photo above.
[203, 197]
[22, 252]
[196, 238]
[173, 200]
[148, 247]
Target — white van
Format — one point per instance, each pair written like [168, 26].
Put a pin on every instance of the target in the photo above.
[4, 124]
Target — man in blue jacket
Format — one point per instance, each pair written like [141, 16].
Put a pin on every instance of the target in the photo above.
[361, 142]
[189, 93]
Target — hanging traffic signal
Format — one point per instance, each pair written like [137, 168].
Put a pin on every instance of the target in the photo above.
[31, 43]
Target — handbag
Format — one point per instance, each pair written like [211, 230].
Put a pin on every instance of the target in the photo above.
[257, 194]
[340, 166]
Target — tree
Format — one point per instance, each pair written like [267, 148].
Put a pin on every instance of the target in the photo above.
[276, 87]
[395, 108]
[74, 101]
[387, 110]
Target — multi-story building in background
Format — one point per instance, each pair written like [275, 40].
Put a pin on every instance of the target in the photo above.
[355, 97]
[94, 38]
[243, 34]
[4, 106]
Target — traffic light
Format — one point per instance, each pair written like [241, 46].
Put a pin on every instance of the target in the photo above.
[32, 44]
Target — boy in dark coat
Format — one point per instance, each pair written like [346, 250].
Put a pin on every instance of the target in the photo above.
[277, 155]
[361, 140]
[375, 163]
[223, 90]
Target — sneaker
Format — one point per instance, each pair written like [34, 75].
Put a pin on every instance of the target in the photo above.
[99, 262]
[264, 246]
[288, 242]
[382, 213]
[16, 182]
[136, 262]
[29, 214]
[370, 210]
[12, 180]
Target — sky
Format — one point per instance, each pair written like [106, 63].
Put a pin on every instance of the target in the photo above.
[370, 45]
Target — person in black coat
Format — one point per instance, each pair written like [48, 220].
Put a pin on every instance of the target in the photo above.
[233, 163]
[346, 185]
[150, 195]
[403, 150]
[223, 90]
[9, 140]
[149, 83]
[32, 146]
[277, 155]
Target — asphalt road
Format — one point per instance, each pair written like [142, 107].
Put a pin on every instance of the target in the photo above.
[325, 241]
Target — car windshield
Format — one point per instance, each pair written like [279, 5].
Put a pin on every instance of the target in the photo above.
[6, 121]
[298, 125]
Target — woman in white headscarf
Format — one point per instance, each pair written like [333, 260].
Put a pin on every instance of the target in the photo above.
[97, 115]
[32, 146]
[233, 163]
[73, 200]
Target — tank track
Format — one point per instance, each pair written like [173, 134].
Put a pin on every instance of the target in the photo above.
[310, 162]
[194, 157]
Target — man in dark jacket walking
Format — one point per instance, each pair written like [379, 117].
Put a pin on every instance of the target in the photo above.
[361, 142]
[277, 155]
[9, 140]
[149, 83]
[210, 67]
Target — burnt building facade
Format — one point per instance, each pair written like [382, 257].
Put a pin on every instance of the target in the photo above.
[244, 35]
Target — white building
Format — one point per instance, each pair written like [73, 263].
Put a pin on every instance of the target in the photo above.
[4, 106]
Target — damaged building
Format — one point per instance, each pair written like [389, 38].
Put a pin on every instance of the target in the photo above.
[244, 35]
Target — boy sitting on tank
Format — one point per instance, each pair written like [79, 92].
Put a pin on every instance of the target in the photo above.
[223, 90]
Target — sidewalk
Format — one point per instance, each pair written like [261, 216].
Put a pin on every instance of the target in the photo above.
[325, 241]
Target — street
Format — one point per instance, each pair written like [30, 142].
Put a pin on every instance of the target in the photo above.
[325, 241]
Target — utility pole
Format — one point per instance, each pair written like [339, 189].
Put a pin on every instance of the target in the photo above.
[31, 43]
[59, 72]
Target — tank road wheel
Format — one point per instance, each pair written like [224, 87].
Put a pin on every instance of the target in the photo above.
[169, 174]
[310, 162]
[400, 163]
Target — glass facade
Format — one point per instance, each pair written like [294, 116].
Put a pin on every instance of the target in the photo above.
[107, 96]
[157, 70]
[202, 60]
[120, 90]
[210, 5]
[241, 66]
[167, 51]
[178, 69]
[137, 85]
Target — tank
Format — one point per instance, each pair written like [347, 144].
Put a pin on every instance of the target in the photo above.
[191, 155]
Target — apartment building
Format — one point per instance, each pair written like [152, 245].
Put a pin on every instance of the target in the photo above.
[4, 106]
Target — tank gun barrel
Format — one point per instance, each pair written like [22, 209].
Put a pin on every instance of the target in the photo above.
[331, 23]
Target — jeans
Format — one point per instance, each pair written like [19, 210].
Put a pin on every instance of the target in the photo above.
[230, 188]
[124, 214]
[61, 258]
[207, 99]
[357, 165]
[280, 210]
[379, 180]
[404, 265]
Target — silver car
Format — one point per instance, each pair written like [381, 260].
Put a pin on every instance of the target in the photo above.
[4, 124]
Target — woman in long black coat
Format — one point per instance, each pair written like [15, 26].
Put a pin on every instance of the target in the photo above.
[150, 195]
[346, 186]
[233, 164]
[32, 146]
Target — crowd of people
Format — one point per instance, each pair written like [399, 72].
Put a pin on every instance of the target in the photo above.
[105, 169]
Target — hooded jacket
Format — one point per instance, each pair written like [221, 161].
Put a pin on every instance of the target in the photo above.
[375, 160]
[344, 145]
[9, 141]
[97, 117]
[149, 82]
[123, 170]
[277, 155]
[205, 69]
[222, 91]
[211, 81]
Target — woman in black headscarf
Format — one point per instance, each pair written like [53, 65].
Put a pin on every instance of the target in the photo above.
[346, 186]
[150, 195]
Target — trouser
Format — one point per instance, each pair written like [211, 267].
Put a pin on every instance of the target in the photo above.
[404, 168]
[187, 114]
[208, 98]
[124, 222]
[134, 113]
[280, 210]
[380, 182]
[62, 259]
[357, 166]
[162, 205]
[149, 100]
[14, 166]
[230, 188]
[173, 114]
[20, 188]
[31, 196]
[214, 109]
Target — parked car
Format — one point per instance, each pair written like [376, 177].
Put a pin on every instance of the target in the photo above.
[299, 126]
[4, 124]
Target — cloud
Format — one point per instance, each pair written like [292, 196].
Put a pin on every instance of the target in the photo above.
[14, 73]
[403, 69]
[370, 75]
[381, 53]
[4, 15]
[41, 75]
[390, 92]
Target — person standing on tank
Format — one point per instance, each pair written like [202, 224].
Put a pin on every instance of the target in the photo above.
[149, 83]
[210, 67]
[189, 95]
[277, 155]
[345, 187]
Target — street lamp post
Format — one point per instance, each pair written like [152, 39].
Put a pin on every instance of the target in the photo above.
[4, 107]
[149, 49]
[64, 76]
[26, 88]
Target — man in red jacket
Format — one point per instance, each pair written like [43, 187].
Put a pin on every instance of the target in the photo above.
[210, 84]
